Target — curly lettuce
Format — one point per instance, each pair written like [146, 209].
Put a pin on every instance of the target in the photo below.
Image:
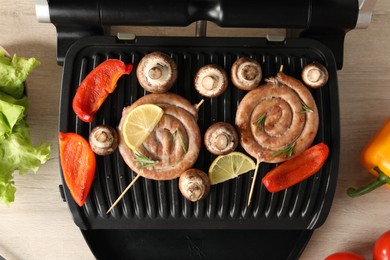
[17, 153]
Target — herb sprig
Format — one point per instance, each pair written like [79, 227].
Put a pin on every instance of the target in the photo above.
[287, 151]
[177, 134]
[305, 108]
[144, 161]
[260, 122]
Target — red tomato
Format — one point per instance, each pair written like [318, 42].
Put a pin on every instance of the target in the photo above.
[344, 256]
[382, 247]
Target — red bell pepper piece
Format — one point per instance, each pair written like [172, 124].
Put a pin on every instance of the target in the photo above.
[296, 169]
[344, 256]
[78, 164]
[382, 247]
[96, 86]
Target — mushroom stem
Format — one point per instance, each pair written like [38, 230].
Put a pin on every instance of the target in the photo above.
[123, 193]
[249, 72]
[313, 75]
[209, 82]
[221, 141]
[253, 182]
[155, 73]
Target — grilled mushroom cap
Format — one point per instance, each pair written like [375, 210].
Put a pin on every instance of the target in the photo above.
[315, 75]
[246, 73]
[211, 80]
[157, 72]
[103, 140]
[221, 138]
[194, 184]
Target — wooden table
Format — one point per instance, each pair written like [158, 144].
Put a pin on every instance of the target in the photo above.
[38, 225]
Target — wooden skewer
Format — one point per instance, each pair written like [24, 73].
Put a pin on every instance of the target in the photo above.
[123, 193]
[281, 68]
[253, 182]
[199, 104]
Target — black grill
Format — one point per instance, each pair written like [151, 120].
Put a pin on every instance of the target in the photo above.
[158, 204]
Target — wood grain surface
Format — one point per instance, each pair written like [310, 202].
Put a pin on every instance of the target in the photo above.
[38, 225]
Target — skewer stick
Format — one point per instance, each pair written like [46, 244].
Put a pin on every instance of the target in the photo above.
[197, 106]
[281, 68]
[253, 182]
[123, 193]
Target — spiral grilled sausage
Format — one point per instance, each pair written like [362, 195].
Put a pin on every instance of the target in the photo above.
[276, 116]
[174, 143]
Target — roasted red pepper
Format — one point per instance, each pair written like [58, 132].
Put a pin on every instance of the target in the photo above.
[96, 86]
[78, 164]
[382, 247]
[344, 256]
[296, 169]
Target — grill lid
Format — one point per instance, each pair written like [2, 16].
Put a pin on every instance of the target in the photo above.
[158, 204]
[325, 21]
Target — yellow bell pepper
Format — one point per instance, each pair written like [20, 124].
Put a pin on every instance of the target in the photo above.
[376, 159]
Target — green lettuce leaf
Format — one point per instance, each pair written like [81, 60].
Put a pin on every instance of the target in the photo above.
[7, 186]
[17, 153]
[4, 58]
[14, 73]
[10, 114]
[24, 102]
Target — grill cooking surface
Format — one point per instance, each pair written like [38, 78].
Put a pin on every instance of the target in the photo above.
[158, 204]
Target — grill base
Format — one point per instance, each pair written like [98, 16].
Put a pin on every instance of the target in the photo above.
[197, 244]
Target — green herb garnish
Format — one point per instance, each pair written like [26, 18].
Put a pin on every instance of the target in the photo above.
[177, 134]
[305, 108]
[260, 122]
[287, 151]
[144, 161]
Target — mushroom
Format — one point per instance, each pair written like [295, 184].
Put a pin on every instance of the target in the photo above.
[221, 138]
[194, 184]
[315, 75]
[211, 80]
[157, 72]
[246, 73]
[103, 140]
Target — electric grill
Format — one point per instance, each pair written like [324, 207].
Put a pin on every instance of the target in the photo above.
[153, 220]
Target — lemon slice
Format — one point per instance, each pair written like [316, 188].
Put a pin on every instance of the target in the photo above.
[229, 166]
[139, 123]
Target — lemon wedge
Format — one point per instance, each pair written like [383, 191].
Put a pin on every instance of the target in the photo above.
[229, 166]
[139, 123]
